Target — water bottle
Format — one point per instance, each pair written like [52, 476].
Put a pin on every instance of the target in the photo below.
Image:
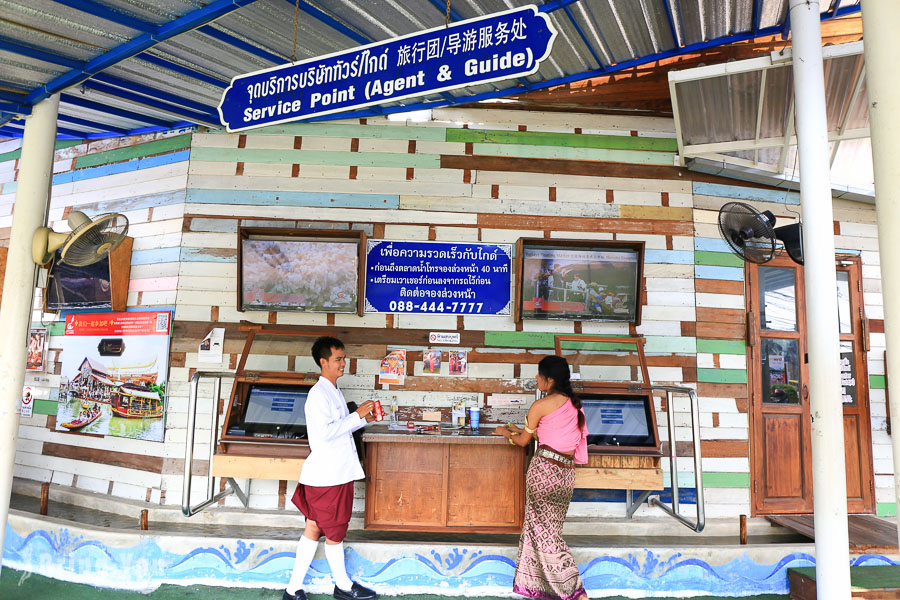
[395, 409]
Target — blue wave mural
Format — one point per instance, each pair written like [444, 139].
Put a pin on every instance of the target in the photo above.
[144, 564]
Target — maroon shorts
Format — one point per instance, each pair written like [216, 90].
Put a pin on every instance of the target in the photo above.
[329, 506]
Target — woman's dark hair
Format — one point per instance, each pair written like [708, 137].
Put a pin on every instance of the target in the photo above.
[323, 346]
[557, 369]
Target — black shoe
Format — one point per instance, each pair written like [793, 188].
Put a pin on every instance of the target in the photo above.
[357, 592]
[299, 595]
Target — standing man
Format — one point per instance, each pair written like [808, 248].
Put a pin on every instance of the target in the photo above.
[325, 492]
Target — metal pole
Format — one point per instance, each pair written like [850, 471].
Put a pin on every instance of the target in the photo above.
[32, 198]
[881, 21]
[826, 410]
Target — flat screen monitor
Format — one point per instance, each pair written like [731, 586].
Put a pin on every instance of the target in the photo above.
[582, 284]
[276, 410]
[87, 287]
[614, 420]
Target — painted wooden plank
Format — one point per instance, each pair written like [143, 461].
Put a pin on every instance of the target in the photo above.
[726, 480]
[567, 183]
[121, 167]
[162, 255]
[668, 213]
[716, 272]
[153, 285]
[676, 257]
[677, 345]
[15, 154]
[651, 242]
[722, 346]
[722, 375]
[711, 244]
[287, 198]
[343, 214]
[121, 192]
[226, 255]
[876, 382]
[729, 301]
[507, 207]
[330, 186]
[542, 120]
[670, 298]
[568, 140]
[720, 259]
[745, 193]
[586, 154]
[312, 157]
[162, 146]
[435, 134]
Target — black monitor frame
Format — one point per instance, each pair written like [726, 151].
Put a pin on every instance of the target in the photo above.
[274, 429]
[648, 441]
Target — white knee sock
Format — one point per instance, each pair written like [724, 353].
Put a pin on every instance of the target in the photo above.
[335, 555]
[306, 549]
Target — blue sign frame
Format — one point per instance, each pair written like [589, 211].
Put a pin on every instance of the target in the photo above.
[476, 51]
[438, 278]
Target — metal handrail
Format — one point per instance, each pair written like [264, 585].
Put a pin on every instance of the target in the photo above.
[232, 488]
[673, 511]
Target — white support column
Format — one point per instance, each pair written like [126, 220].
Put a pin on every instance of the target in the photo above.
[32, 197]
[826, 410]
[881, 21]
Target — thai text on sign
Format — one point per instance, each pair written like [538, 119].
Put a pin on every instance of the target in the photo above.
[438, 277]
[476, 51]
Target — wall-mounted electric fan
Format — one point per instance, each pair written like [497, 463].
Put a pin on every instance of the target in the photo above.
[751, 234]
[89, 241]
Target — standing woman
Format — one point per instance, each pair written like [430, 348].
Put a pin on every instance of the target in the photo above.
[545, 567]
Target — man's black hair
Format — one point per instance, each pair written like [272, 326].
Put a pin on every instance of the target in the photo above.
[323, 346]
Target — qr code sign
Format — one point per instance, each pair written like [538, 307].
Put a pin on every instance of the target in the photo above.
[162, 322]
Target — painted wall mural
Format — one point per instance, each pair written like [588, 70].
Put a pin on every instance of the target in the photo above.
[91, 556]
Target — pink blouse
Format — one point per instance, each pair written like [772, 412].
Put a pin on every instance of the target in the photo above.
[559, 430]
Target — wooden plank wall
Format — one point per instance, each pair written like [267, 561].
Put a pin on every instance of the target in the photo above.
[468, 175]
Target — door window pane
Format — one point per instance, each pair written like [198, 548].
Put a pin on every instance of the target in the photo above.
[848, 374]
[780, 371]
[777, 299]
[843, 296]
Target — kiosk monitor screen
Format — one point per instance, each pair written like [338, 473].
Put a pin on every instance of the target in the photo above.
[618, 420]
[272, 409]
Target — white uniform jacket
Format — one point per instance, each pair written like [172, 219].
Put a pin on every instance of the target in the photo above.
[332, 459]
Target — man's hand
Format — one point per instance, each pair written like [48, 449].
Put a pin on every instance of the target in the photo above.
[365, 410]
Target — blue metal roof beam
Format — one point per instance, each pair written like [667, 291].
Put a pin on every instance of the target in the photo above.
[193, 20]
[91, 124]
[671, 20]
[12, 107]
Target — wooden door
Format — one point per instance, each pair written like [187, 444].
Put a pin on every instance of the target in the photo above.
[780, 445]
[855, 390]
[780, 460]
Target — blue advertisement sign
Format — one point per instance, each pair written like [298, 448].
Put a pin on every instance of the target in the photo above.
[475, 51]
[438, 277]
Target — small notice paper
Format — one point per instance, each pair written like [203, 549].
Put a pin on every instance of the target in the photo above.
[393, 368]
[27, 407]
[210, 350]
[508, 399]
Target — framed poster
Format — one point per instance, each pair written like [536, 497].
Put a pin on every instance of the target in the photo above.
[114, 374]
[37, 350]
[579, 280]
[299, 270]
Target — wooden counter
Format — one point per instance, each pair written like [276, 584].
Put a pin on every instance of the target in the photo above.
[449, 482]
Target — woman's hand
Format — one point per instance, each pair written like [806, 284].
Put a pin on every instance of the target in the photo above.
[501, 430]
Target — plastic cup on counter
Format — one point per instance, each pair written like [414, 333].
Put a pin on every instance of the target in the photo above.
[474, 417]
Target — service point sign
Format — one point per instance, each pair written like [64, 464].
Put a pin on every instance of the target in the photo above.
[477, 51]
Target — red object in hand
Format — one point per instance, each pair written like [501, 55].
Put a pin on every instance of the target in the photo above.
[379, 412]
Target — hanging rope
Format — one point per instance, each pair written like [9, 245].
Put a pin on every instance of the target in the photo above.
[296, 26]
[447, 17]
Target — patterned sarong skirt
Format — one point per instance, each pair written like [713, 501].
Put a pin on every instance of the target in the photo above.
[545, 568]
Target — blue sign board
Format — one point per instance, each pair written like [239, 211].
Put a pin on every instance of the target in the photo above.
[438, 277]
[475, 51]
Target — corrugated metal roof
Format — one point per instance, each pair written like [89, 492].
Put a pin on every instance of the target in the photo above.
[115, 77]
[741, 116]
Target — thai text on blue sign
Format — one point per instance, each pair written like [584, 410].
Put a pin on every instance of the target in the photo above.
[438, 277]
[475, 51]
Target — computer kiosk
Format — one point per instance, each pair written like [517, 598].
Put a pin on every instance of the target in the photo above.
[623, 443]
[264, 432]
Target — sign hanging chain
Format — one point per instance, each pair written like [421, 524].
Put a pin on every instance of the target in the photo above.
[296, 26]
[447, 17]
